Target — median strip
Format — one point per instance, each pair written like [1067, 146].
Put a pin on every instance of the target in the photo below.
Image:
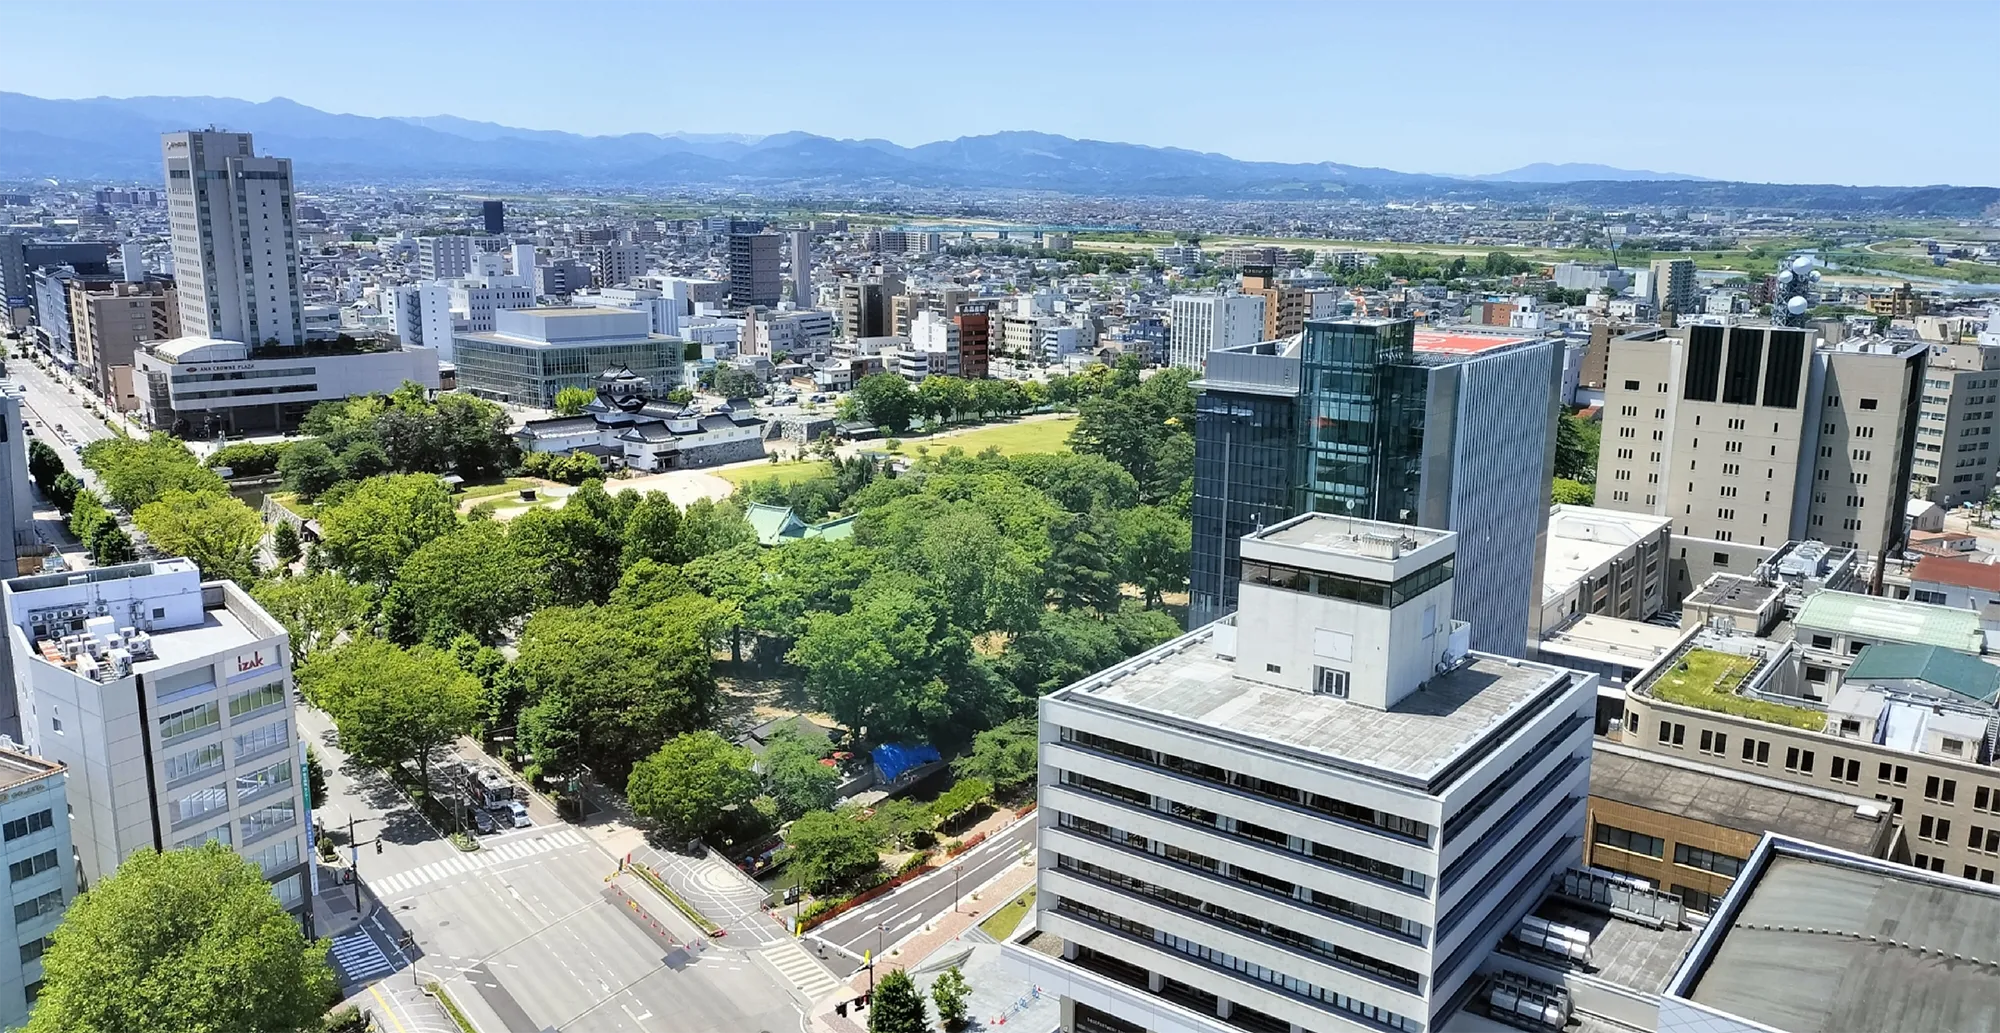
[451, 1007]
[700, 920]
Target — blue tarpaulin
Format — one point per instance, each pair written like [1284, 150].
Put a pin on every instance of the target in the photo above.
[893, 760]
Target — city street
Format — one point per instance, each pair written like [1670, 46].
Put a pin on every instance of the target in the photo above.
[49, 401]
[528, 932]
[886, 921]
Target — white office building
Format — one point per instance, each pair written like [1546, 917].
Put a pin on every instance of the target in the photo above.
[474, 299]
[41, 872]
[1201, 323]
[934, 347]
[169, 699]
[199, 386]
[236, 259]
[795, 332]
[444, 258]
[1319, 815]
[420, 314]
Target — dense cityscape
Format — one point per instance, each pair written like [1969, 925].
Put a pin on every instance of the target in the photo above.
[483, 579]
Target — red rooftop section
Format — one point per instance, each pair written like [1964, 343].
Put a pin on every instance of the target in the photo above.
[1464, 344]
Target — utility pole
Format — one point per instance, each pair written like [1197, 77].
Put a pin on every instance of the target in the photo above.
[954, 887]
[354, 866]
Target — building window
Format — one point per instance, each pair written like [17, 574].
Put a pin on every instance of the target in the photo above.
[47, 903]
[1799, 762]
[254, 783]
[1696, 900]
[256, 699]
[1895, 775]
[29, 867]
[33, 823]
[1629, 841]
[1940, 790]
[1707, 860]
[1756, 751]
[1329, 682]
[193, 720]
[36, 947]
[1846, 770]
[1716, 743]
[1672, 733]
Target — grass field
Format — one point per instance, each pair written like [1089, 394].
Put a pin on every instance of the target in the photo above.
[1002, 922]
[1011, 439]
[787, 472]
[507, 487]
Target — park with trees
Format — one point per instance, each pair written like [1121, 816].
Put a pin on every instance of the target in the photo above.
[608, 639]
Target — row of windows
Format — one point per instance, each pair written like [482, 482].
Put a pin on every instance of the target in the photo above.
[1336, 586]
[28, 867]
[1628, 841]
[1098, 916]
[29, 824]
[1343, 956]
[47, 903]
[1408, 828]
[1352, 862]
[1405, 927]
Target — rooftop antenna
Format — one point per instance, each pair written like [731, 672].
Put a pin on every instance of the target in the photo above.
[1797, 290]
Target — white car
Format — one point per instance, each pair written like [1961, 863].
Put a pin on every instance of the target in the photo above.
[518, 811]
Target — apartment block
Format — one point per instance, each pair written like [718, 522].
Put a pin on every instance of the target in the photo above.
[1203, 323]
[41, 872]
[169, 699]
[474, 300]
[1673, 286]
[1321, 815]
[108, 326]
[1372, 418]
[444, 258]
[1286, 306]
[753, 270]
[613, 265]
[1751, 433]
[1954, 461]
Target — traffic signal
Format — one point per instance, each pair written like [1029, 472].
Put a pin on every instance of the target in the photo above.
[378, 846]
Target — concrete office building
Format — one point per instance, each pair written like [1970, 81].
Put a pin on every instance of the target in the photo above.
[199, 386]
[1320, 815]
[108, 327]
[753, 270]
[170, 701]
[55, 290]
[21, 259]
[1674, 292]
[794, 332]
[475, 299]
[444, 258]
[664, 311]
[1605, 562]
[864, 306]
[35, 846]
[1203, 323]
[534, 353]
[935, 339]
[801, 268]
[493, 216]
[1752, 434]
[236, 258]
[1954, 462]
[974, 322]
[561, 278]
[1373, 419]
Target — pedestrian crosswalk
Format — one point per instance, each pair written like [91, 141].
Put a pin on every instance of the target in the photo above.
[485, 857]
[792, 961]
[359, 958]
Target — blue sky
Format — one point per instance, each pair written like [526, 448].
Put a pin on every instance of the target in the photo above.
[1892, 93]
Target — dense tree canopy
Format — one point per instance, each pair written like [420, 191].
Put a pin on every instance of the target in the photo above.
[191, 940]
[689, 784]
[391, 704]
[369, 533]
[214, 529]
[316, 609]
[135, 471]
[468, 582]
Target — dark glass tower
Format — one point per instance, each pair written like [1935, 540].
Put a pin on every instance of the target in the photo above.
[1352, 418]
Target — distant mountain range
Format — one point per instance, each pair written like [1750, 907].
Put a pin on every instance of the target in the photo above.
[113, 138]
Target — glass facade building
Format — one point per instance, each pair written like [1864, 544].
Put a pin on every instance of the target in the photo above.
[1353, 417]
[534, 353]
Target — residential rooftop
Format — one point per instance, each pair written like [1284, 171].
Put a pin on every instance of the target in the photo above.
[1816, 940]
[18, 767]
[1972, 679]
[1962, 573]
[1894, 620]
[1733, 799]
[1419, 740]
[1734, 592]
[1628, 643]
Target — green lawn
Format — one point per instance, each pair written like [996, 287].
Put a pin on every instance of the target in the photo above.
[291, 502]
[1020, 438]
[1001, 923]
[1707, 680]
[509, 486]
[787, 472]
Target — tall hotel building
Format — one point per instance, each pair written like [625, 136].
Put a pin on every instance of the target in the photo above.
[236, 258]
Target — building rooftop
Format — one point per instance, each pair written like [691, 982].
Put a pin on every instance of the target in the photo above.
[1345, 536]
[1614, 640]
[1417, 740]
[18, 767]
[1897, 620]
[1582, 538]
[1464, 342]
[1711, 679]
[1731, 799]
[1963, 573]
[1972, 678]
[1734, 592]
[1815, 940]
[1626, 953]
[220, 630]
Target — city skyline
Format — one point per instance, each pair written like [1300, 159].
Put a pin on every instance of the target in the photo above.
[1580, 110]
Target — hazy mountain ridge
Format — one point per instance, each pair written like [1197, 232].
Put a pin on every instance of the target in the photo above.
[112, 138]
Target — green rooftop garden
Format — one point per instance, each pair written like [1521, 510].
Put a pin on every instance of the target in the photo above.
[1707, 679]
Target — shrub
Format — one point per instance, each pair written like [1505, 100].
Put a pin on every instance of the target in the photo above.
[247, 459]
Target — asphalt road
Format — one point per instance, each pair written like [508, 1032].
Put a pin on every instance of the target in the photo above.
[49, 401]
[523, 932]
[888, 920]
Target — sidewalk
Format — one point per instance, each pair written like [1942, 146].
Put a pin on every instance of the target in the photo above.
[948, 928]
